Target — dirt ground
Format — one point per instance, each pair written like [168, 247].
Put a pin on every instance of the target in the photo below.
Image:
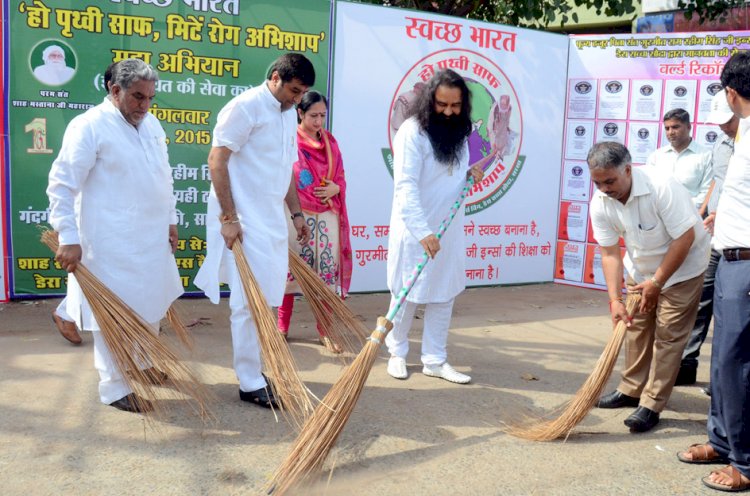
[527, 348]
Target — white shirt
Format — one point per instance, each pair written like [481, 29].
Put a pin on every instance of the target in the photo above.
[263, 141]
[424, 191]
[732, 225]
[691, 167]
[658, 211]
[124, 183]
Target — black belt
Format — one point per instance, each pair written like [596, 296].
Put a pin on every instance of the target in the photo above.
[736, 254]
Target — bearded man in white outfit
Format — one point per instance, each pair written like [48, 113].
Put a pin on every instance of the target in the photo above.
[114, 159]
[430, 168]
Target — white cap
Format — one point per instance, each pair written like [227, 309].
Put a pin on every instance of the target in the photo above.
[720, 111]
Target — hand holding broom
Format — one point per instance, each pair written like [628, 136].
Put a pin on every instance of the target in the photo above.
[588, 395]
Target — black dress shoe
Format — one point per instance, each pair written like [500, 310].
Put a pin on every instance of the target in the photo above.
[686, 376]
[616, 399]
[262, 397]
[132, 403]
[642, 419]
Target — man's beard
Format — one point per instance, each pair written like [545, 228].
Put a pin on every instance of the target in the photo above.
[447, 135]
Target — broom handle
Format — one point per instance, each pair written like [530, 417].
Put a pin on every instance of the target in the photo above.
[425, 257]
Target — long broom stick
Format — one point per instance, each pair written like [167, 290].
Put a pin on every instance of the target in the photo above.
[132, 344]
[331, 313]
[288, 388]
[321, 430]
[588, 395]
[179, 328]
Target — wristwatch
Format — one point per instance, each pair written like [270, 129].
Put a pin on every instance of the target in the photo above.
[297, 214]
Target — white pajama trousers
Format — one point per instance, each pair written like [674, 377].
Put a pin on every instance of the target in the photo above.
[437, 319]
[112, 385]
[247, 362]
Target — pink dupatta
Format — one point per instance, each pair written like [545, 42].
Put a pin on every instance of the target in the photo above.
[318, 161]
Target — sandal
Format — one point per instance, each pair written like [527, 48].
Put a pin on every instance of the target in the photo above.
[701, 454]
[330, 345]
[737, 485]
[262, 397]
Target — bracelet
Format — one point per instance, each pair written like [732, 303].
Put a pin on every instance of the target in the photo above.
[225, 222]
[612, 300]
[297, 214]
[656, 283]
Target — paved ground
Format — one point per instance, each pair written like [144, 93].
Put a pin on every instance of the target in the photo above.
[528, 349]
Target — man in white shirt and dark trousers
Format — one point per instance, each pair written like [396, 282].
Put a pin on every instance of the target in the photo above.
[254, 148]
[430, 168]
[666, 255]
[728, 426]
[722, 116]
[683, 158]
[113, 161]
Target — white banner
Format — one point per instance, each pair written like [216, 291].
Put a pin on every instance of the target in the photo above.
[382, 58]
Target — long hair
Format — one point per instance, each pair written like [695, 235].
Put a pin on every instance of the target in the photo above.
[447, 138]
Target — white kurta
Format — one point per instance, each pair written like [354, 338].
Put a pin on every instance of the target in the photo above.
[263, 141]
[424, 191]
[126, 207]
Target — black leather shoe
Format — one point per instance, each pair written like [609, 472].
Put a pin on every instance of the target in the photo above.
[262, 397]
[616, 399]
[132, 403]
[686, 376]
[642, 419]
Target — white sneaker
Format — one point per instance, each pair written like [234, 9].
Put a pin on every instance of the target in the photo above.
[397, 368]
[445, 371]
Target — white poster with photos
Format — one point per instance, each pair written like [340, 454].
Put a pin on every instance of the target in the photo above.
[582, 99]
[642, 137]
[613, 99]
[579, 137]
[680, 93]
[706, 135]
[645, 100]
[611, 131]
[576, 181]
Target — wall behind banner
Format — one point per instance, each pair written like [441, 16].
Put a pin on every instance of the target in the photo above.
[382, 57]
[205, 55]
[619, 88]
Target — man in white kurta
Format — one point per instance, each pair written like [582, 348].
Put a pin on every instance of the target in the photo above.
[254, 147]
[425, 188]
[115, 157]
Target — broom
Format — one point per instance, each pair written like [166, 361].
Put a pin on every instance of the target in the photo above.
[321, 430]
[331, 313]
[588, 395]
[132, 343]
[179, 328]
[288, 388]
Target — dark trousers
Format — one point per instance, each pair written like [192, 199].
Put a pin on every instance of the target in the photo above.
[728, 425]
[703, 319]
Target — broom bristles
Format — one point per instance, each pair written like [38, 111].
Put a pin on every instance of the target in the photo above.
[587, 396]
[134, 346]
[331, 313]
[289, 390]
[179, 328]
[322, 429]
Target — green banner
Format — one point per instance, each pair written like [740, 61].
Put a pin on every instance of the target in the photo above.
[206, 52]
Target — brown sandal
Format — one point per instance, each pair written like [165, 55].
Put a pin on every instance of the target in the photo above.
[737, 485]
[701, 454]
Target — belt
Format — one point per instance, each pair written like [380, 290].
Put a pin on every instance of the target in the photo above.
[736, 254]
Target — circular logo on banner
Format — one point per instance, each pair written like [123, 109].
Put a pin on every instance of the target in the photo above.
[713, 88]
[580, 130]
[495, 113]
[680, 91]
[610, 129]
[711, 136]
[577, 170]
[583, 87]
[613, 87]
[643, 133]
[646, 90]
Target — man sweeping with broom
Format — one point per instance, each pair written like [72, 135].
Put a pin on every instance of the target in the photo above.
[115, 157]
[666, 255]
[431, 163]
[254, 147]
